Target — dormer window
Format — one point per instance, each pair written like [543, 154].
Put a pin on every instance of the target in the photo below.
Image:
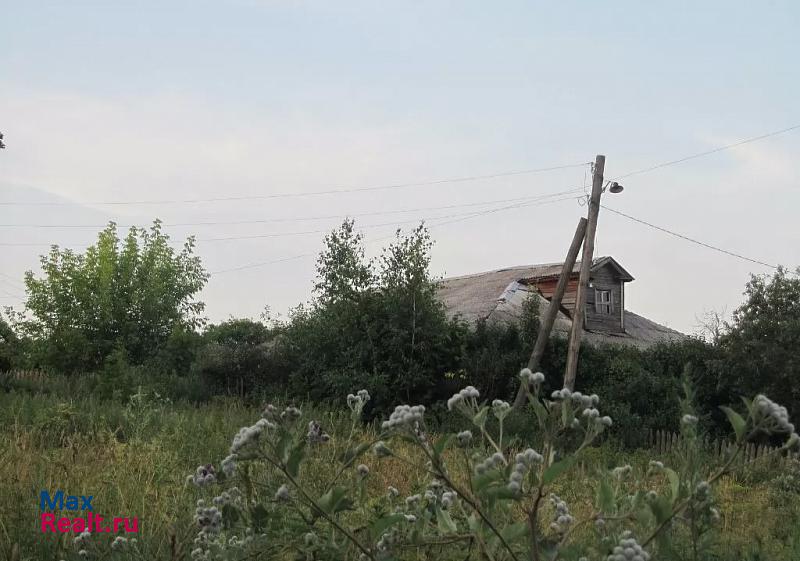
[603, 304]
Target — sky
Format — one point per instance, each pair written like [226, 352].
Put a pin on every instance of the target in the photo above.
[173, 101]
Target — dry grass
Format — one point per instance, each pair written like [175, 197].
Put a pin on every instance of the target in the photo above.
[146, 477]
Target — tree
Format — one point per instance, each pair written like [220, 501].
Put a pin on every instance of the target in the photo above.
[128, 295]
[342, 271]
[414, 328]
[762, 342]
[237, 357]
[9, 343]
[375, 323]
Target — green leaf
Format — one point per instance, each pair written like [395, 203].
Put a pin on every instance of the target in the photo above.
[295, 457]
[230, 515]
[383, 523]
[605, 496]
[480, 417]
[557, 469]
[474, 523]
[501, 492]
[539, 409]
[748, 403]
[259, 516]
[335, 501]
[514, 532]
[481, 482]
[444, 522]
[662, 509]
[737, 422]
[352, 453]
[283, 447]
[442, 444]
[674, 482]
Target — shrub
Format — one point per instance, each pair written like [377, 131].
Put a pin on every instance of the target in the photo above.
[237, 357]
[372, 323]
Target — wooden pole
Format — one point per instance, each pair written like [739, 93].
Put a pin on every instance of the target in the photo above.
[549, 318]
[583, 280]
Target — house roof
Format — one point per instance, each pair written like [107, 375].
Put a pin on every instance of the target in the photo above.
[553, 270]
[499, 296]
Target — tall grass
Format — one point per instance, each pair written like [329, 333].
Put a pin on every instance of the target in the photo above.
[134, 460]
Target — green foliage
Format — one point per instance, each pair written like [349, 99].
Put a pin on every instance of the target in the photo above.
[761, 343]
[474, 493]
[371, 323]
[642, 386]
[61, 432]
[238, 356]
[9, 346]
[131, 294]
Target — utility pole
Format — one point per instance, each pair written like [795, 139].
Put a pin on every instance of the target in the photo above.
[583, 280]
[549, 318]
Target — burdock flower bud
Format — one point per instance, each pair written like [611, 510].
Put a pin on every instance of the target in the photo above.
[362, 470]
[500, 408]
[315, 434]
[628, 549]
[291, 414]
[282, 494]
[464, 438]
[381, 450]
[622, 471]
[203, 475]
[413, 500]
[466, 398]
[531, 378]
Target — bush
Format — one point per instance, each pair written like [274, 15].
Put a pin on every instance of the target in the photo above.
[643, 387]
[237, 357]
[375, 324]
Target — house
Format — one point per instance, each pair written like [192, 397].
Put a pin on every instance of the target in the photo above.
[499, 296]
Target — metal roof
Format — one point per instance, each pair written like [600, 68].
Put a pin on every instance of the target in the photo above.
[499, 296]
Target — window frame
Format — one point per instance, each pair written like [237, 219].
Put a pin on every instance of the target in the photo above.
[601, 306]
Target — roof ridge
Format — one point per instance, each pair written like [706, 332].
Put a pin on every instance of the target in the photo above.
[500, 270]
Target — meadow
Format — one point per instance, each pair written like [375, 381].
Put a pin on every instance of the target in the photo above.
[134, 459]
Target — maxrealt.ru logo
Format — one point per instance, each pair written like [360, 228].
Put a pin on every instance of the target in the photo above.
[88, 521]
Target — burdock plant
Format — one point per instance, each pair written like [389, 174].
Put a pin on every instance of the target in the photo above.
[478, 498]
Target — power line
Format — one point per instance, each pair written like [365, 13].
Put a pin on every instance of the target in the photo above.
[12, 281]
[303, 218]
[460, 216]
[692, 240]
[472, 215]
[709, 152]
[333, 191]
[325, 231]
[11, 294]
[521, 201]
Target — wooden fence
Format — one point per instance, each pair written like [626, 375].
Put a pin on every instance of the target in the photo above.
[38, 376]
[664, 442]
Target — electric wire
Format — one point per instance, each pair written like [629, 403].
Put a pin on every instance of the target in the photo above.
[334, 191]
[689, 239]
[304, 218]
[709, 152]
[311, 254]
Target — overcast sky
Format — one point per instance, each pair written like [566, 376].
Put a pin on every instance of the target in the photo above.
[133, 101]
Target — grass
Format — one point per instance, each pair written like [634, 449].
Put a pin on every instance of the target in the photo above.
[134, 460]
